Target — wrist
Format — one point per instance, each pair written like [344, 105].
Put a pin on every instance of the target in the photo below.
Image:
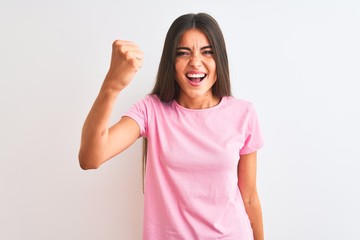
[108, 93]
[111, 87]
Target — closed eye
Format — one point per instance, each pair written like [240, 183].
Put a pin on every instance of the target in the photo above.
[182, 53]
[208, 52]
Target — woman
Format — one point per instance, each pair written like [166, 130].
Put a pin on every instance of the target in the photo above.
[200, 180]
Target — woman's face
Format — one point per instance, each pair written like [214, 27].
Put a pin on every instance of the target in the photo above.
[195, 66]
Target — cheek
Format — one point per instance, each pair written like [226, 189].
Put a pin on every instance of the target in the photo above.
[212, 69]
[177, 67]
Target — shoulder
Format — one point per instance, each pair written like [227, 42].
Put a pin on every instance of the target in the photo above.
[239, 110]
[237, 104]
[235, 100]
[148, 101]
[151, 104]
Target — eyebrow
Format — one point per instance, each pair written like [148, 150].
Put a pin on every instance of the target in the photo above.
[187, 48]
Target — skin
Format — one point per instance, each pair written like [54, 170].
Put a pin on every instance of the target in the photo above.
[194, 55]
[99, 142]
[247, 184]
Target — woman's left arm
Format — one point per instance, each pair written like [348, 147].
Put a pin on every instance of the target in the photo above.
[247, 186]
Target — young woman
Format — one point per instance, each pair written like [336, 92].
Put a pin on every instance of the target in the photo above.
[200, 179]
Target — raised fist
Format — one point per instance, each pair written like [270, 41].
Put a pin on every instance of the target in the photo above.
[126, 60]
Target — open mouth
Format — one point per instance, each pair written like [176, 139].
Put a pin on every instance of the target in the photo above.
[196, 77]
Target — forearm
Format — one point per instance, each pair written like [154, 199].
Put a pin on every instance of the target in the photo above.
[126, 60]
[253, 209]
[95, 130]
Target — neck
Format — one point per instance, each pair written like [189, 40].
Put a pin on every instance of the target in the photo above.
[198, 103]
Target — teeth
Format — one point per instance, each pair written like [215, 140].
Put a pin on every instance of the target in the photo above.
[201, 75]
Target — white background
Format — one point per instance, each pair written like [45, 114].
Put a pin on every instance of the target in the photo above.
[297, 61]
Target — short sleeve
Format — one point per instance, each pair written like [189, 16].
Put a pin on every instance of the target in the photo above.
[140, 113]
[253, 137]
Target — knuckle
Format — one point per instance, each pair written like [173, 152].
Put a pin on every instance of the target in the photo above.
[132, 62]
[116, 43]
[128, 55]
[135, 64]
[119, 46]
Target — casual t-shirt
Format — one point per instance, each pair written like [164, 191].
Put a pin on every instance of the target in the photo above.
[191, 181]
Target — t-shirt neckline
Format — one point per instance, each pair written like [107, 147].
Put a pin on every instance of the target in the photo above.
[222, 102]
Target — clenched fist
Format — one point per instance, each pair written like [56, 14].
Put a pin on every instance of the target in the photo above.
[126, 60]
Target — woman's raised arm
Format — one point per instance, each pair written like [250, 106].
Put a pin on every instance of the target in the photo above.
[99, 142]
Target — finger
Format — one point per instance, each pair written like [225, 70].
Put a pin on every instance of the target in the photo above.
[140, 61]
[125, 46]
[123, 42]
[137, 53]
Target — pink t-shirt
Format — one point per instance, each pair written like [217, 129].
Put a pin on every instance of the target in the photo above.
[191, 183]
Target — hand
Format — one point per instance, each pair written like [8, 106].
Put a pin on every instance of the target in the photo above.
[126, 60]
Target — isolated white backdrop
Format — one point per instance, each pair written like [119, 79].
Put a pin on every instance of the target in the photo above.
[297, 61]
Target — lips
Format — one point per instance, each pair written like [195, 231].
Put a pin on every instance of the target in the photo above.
[195, 77]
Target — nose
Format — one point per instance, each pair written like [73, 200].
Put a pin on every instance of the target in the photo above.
[195, 60]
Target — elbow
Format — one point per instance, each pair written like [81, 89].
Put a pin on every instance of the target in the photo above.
[251, 200]
[86, 166]
[249, 194]
[86, 162]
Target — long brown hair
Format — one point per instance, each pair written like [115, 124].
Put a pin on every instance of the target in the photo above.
[166, 87]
